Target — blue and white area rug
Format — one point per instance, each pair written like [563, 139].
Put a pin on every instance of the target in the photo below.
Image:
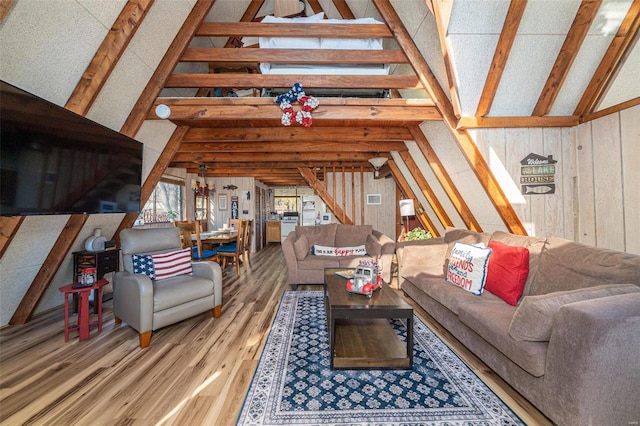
[293, 384]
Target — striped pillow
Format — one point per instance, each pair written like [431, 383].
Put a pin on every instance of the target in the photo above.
[172, 264]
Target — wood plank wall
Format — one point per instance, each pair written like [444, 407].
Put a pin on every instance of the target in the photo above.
[597, 198]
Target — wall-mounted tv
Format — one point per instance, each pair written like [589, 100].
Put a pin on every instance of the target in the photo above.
[53, 161]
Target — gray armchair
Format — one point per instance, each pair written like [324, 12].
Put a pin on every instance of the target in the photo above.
[147, 305]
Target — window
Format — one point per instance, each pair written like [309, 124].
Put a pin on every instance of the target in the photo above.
[165, 203]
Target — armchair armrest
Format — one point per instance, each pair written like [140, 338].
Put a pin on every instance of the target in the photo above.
[133, 300]
[211, 271]
[592, 362]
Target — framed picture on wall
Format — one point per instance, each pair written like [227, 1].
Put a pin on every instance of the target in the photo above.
[222, 202]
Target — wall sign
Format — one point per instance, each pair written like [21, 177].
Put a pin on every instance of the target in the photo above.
[234, 207]
[538, 174]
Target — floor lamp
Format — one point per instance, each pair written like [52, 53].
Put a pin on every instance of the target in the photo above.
[407, 209]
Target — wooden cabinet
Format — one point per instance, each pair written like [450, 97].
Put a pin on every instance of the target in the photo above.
[273, 231]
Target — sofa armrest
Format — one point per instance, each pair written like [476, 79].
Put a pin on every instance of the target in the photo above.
[592, 372]
[211, 271]
[133, 300]
[426, 256]
[290, 257]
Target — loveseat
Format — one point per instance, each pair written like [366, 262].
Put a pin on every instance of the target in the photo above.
[160, 285]
[310, 249]
[570, 343]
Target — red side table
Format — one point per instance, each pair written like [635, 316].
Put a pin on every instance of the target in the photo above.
[83, 293]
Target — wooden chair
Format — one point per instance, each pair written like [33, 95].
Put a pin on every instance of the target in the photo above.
[236, 249]
[187, 230]
[247, 245]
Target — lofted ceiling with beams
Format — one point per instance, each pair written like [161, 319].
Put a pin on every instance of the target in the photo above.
[499, 63]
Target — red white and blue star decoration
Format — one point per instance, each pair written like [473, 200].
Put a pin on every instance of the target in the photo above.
[143, 264]
[296, 94]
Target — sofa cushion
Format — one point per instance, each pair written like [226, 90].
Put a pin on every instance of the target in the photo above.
[318, 263]
[464, 236]
[451, 296]
[507, 272]
[491, 322]
[352, 235]
[143, 264]
[319, 234]
[319, 250]
[533, 319]
[301, 247]
[567, 265]
[468, 267]
[535, 245]
[181, 289]
[172, 264]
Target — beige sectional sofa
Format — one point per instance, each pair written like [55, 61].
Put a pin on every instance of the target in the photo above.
[304, 267]
[571, 344]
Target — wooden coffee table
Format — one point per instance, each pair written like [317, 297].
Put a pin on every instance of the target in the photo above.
[360, 335]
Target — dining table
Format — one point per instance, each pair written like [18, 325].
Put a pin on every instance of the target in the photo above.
[220, 236]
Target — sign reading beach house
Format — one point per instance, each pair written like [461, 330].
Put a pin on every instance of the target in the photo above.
[538, 174]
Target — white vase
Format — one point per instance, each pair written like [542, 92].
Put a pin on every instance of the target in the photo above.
[96, 241]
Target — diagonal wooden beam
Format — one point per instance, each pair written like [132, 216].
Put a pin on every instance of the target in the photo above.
[462, 137]
[107, 56]
[154, 176]
[405, 188]
[620, 46]
[322, 192]
[343, 9]
[426, 189]
[48, 270]
[575, 37]
[165, 67]
[249, 15]
[445, 180]
[500, 56]
[5, 6]
[8, 228]
[442, 14]
[81, 100]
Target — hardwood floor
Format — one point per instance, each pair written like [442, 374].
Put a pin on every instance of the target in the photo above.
[193, 373]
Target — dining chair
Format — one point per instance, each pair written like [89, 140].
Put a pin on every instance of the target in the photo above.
[236, 249]
[247, 245]
[187, 230]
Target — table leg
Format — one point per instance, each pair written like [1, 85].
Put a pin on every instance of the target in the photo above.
[66, 317]
[99, 302]
[83, 316]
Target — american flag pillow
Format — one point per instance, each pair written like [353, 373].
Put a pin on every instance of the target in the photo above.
[172, 264]
[143, 264]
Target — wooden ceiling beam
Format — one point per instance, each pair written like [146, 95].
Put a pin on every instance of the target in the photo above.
[500, 56]
[426, 189]
[168, 62]
[295, 56]
[298, 134]
[516, 122]
[220, 109]
[308, 81]
[405, 188]
[272, 156]
[620, 46]
[272, 165]
[445, 180]
[575, 37]
[107, 56]
[5, 6]
[259, 29]
[343, 9]
[464, 141]
[293, 146]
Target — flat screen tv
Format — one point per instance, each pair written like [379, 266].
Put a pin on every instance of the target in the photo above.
[53, 161]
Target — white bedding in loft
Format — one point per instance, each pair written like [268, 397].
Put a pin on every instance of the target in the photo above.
[322, 43]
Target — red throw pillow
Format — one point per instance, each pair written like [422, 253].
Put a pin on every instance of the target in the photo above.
[508, 271]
